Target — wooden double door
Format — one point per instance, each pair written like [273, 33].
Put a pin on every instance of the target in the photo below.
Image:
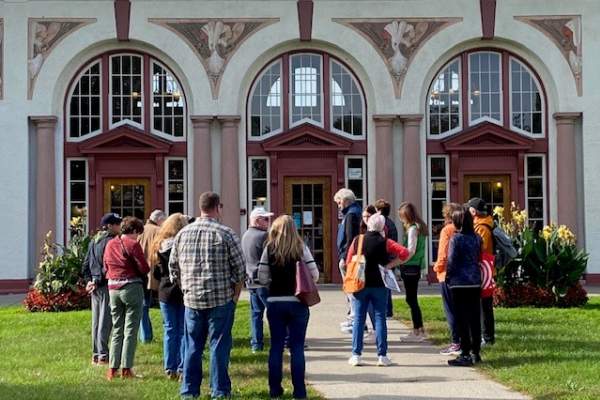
[493, 189]
[308, 201]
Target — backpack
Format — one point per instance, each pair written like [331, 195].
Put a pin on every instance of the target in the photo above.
[504, 250]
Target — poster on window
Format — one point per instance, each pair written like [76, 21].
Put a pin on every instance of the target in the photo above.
[354, 173]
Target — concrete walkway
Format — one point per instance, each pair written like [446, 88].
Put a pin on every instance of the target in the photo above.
[419, 372]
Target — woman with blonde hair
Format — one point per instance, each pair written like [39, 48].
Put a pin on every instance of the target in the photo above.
[169, 294]
[285, 313]
[410, 271]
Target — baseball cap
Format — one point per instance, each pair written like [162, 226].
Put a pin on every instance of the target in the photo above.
[110, 219]
[478, 204]
[259, 212]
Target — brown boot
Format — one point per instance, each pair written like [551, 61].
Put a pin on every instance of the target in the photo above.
[127, 373]
[112, 373]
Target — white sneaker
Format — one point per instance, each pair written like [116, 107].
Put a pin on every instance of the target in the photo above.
[345, 323]
[412, 338]
[369, 338]
[355, 360]
[384, 361]
[346, 329]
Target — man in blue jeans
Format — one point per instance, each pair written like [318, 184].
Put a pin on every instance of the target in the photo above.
[253, 243]
[208, 263]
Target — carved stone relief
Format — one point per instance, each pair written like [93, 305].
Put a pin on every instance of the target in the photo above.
[397, 40]
[214, 41]
[44, 35]
[565, 32]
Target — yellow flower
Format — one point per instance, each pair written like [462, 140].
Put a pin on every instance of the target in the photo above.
[498, 210]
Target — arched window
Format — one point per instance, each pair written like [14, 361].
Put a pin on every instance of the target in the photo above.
[161, 111]
[321, 90]
[501, 89]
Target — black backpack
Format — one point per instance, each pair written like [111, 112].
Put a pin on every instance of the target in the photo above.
[504, 250]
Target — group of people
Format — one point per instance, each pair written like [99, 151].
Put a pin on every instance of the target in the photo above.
[199, 267]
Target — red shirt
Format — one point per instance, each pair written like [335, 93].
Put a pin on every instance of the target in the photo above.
[392, 248]
[118, 265]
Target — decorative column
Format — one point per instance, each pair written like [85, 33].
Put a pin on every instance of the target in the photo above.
[384, 152]
[45, 182]
[230, 171]
[411, 160]
[566, 169]
[202, 165]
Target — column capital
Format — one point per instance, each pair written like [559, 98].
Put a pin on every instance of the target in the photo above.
[384, 119]
[411, 119]
[200, 121]
[43, 121]
[229, 120]
[566, 118]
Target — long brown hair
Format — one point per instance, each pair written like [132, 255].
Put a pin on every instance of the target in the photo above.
[409, 216]
[167, 230]
[284, 243]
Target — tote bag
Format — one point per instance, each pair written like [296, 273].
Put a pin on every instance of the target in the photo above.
[488, 285]
[306, 289]
[354, 281]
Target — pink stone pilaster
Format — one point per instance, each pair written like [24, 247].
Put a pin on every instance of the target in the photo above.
[566, 167]
[202, 158]
[230, 171]
[45, 182]
[384, 167]
[411, 160]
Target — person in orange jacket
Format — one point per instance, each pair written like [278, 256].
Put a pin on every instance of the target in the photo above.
[484, 227]
[440, 269]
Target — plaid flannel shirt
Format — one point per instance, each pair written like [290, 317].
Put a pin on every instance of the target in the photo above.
[207, 262]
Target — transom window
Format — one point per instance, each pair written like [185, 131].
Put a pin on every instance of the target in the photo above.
[160, 109]
[318, 90]
[500, 89]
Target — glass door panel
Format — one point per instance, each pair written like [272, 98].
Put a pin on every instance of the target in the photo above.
[127, 197]
[493, 189]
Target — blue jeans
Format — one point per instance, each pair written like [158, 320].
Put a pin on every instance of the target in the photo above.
[390, 306]
[215, 324]
[377, 297]
[284, 317]
[449, 311]
[173, 343]
[258, 303]
[145, 333]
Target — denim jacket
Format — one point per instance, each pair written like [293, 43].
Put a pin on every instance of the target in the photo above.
[463, 261]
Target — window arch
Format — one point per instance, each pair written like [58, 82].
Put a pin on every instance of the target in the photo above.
[319, 90]
[125, 88]
[485, 85]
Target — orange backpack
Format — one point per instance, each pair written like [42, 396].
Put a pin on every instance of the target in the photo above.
[354, 280]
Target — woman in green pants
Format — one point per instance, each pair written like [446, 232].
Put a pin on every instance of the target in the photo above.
[126, 269]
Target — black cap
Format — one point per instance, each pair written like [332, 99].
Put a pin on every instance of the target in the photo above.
[478, 204]
[110, 219]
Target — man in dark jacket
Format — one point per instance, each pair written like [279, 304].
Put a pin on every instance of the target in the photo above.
[391, 232]
[348, 229]
[95, 276]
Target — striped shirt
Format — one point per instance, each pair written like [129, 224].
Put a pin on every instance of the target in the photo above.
[207, 262]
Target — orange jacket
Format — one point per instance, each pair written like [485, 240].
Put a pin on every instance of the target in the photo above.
[485, 233]
[442, 257]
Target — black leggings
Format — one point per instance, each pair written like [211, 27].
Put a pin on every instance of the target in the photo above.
[467, 305]
[411, 286]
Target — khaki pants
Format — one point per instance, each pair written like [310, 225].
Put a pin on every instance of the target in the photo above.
[126, 310]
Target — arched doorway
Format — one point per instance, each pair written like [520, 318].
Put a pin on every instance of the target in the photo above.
[306, 139]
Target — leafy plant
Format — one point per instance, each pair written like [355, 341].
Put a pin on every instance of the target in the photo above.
[548, 260]
[58, 278]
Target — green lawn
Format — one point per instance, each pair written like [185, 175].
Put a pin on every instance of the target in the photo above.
[47, 356]
[546, 353]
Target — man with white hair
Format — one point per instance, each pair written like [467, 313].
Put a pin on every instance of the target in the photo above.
[253, 243]
[157, 217]
[348, 229]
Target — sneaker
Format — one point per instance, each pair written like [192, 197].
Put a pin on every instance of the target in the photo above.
[476, 358]
[172, 375]
[354, 360]
[452, 350]
[369, 337]
[412, 338]
[102, 361]
[346, 323]
[112, 373]
[383, 361]
[94, 360]
[461, 361]
[346, 329]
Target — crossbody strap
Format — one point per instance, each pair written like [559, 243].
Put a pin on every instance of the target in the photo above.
[359, 251]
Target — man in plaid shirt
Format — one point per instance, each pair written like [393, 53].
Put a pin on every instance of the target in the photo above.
[207, 262]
